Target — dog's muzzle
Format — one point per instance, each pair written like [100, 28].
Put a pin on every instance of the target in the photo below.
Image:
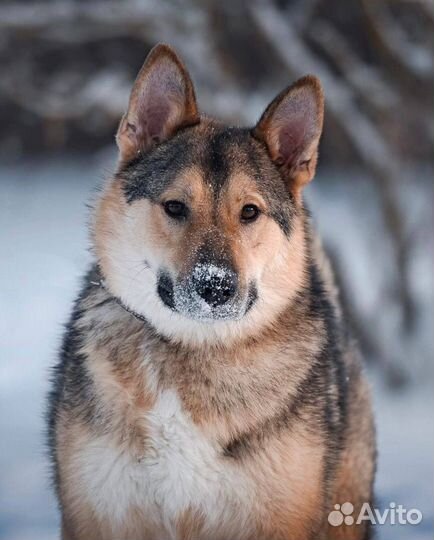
[210, 292]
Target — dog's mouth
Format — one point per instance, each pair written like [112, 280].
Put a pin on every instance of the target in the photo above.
[165, 290]
[219, 299]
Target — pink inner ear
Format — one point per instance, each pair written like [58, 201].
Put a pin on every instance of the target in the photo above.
[292, 141]
[153, 117]
[160, 104]
[295, 123]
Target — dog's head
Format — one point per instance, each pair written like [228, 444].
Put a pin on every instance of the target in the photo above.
[202, 228]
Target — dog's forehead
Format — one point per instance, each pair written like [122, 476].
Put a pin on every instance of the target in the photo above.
[217, 152]
[228, 151]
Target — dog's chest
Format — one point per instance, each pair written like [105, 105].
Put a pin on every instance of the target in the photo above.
[180, 470]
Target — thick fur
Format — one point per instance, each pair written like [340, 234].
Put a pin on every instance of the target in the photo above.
[167, 422]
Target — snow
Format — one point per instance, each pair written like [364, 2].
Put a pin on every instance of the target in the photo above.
[43, 245]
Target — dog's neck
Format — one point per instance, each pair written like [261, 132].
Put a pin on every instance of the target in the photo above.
[101, 283]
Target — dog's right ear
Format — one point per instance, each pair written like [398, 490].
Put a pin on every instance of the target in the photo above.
[162, 101]
[291, 128]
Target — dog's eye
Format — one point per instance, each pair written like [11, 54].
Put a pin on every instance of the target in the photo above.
[249, 213]
[175, 209]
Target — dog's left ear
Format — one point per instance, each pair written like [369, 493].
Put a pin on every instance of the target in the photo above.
[162, 101]
[291, 127]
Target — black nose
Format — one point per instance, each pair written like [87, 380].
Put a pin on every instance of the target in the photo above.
[217, 286]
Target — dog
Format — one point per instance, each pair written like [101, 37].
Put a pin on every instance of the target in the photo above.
[207, 386]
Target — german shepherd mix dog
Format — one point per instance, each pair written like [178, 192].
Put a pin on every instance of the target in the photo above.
[207, 388]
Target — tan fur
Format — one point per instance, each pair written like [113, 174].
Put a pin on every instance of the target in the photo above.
[234, 371]
[357, 464]
[190, 525]
[264, 250]
[79, 521]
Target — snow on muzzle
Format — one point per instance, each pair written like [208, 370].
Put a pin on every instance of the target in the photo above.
[209, 292]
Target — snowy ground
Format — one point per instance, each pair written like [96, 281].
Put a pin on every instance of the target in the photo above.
[43, 243]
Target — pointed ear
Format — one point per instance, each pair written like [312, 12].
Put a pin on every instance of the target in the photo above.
[162, 101]
[291, 127]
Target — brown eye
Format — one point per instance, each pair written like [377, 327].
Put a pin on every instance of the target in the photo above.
[249, 213]
[175, 209]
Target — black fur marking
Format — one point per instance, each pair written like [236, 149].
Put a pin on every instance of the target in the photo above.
[252, 297]
[150, 174]
[283, 220]
[335, 410]
[211, 253]
[216, 161]
[255, 440]
[79, 393]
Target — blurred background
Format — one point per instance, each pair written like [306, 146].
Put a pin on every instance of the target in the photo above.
[67, 67]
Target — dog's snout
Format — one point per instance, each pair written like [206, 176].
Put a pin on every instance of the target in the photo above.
[215, 285]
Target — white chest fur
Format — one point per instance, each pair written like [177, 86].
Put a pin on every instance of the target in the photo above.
[181, 470]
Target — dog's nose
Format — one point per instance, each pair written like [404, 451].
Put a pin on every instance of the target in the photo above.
[215, 285]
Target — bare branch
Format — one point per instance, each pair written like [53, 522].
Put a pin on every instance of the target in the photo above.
[410, 59]
[365, 80]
